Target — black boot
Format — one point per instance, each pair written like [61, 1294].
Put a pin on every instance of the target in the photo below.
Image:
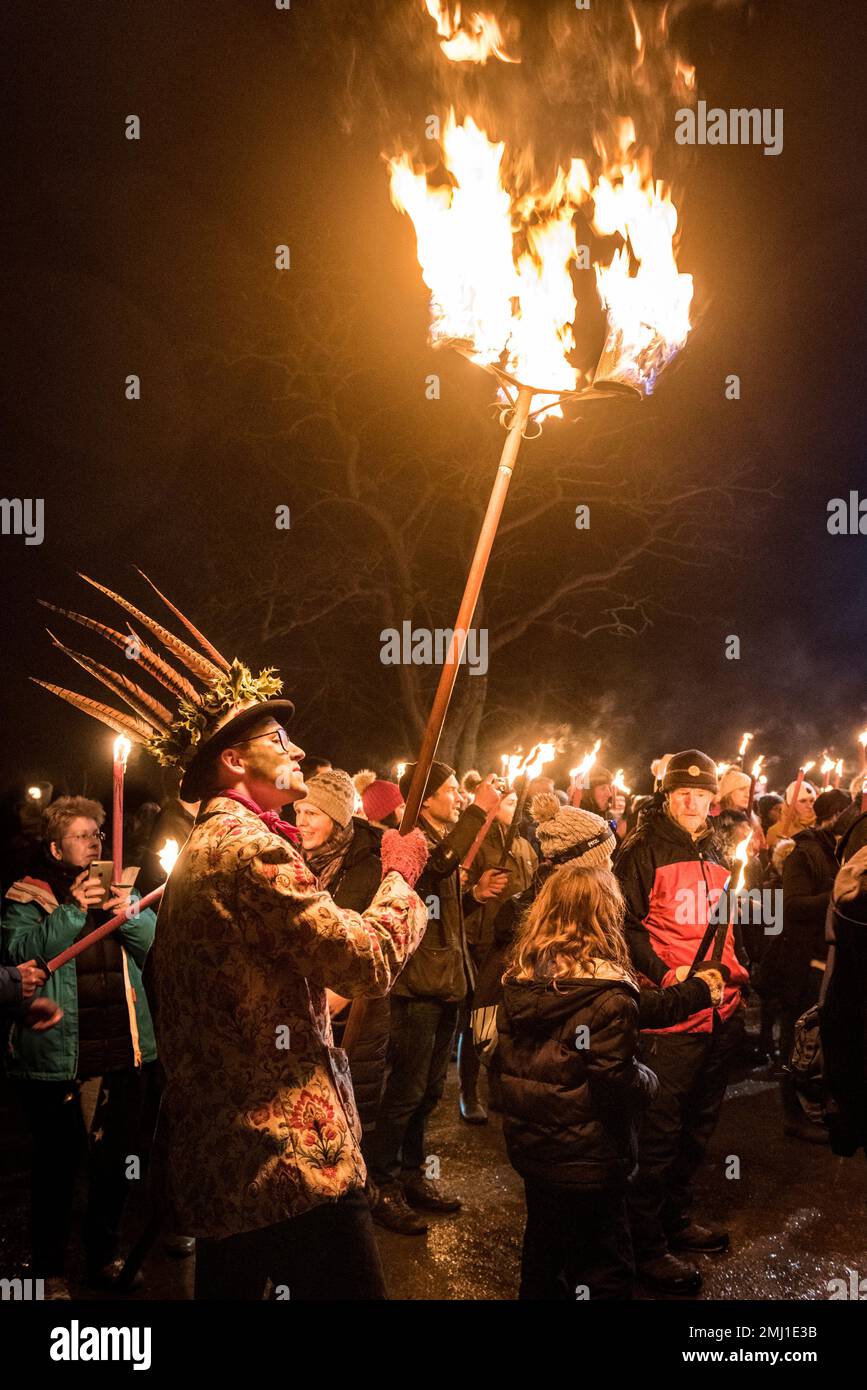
[391, 1210]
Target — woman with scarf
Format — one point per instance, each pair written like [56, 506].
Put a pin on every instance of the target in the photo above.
[342, 850]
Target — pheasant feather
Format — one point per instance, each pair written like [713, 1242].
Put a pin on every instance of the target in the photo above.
[191, 628]
[122, 723]
[140, 701]
[199, 665]
[155, 665]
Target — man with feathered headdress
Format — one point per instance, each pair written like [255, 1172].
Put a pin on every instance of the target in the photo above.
[257, 1149]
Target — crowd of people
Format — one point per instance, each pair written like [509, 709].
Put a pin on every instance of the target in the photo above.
[274, 1042]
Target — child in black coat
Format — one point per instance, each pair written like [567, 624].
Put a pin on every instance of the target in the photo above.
[572, 1085]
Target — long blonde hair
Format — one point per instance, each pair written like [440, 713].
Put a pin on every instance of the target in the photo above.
[575, 922]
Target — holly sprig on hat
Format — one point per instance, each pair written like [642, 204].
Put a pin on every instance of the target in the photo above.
[229, 690]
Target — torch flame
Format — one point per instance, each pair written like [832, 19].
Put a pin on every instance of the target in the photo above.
[745, 739]
[862, 738]
[757, 767]
[168, 855]
[741, 855]
[471, 40]
[827, 764]
[587, 762]
[401, 769]
[121, 750]
[498, 262]
[536, 759]
[721, 768]
[619, 783]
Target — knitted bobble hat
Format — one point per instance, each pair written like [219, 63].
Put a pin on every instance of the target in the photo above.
[567, 833]
[332, 791]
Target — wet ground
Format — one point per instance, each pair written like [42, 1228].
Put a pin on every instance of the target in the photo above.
[797, 1214]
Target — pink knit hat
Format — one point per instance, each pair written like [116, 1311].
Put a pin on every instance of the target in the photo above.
[380, 798]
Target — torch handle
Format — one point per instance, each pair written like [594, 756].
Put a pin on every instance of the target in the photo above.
[105, 930]
[448, 675]
[467, 862]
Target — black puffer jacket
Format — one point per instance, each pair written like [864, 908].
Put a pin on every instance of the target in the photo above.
[354, 886]
[569, 1111]
[808, 876]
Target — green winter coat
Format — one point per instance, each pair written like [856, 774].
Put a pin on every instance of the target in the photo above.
[34, 924]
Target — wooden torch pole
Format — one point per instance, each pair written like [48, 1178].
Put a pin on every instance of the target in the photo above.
[448, 676]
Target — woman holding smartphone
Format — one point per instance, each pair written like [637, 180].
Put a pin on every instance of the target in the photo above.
[105, 1031]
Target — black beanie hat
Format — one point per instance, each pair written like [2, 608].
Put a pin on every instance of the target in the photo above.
[690, 769]
[831, 804]
[439, 773]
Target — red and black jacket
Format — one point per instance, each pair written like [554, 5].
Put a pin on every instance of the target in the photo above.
[671, 883]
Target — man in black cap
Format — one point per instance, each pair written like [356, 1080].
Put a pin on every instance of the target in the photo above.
[671, 873]
[424, 1006]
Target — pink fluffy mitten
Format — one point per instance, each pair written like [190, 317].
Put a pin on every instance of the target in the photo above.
[406, 854]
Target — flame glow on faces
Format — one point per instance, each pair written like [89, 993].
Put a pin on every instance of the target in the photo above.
[498, 259]
[473, 39]
[168, 855]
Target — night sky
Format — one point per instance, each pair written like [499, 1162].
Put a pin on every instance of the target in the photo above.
[157, 257]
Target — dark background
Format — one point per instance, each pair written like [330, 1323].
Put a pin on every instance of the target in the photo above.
[155, 256]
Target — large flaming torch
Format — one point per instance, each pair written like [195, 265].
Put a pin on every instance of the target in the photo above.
[497, 258]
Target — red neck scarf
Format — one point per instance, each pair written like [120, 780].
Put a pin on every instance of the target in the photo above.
[270, 818]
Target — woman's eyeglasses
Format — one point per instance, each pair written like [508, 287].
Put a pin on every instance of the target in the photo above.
[87, 835]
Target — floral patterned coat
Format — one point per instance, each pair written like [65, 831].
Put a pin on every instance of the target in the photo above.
[258, 1120]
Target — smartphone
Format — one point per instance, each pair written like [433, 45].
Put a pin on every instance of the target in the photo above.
[103, 869]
